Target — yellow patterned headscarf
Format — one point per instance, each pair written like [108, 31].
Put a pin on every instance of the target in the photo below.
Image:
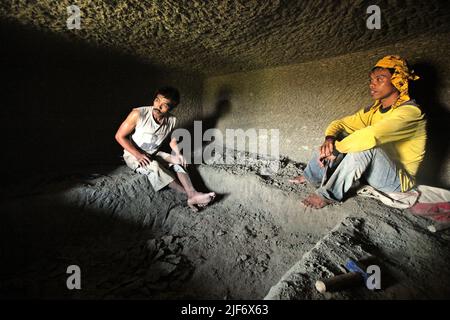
[400, 77]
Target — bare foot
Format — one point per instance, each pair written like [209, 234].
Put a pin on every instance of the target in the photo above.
[200, 199]
[315, 201]
[298, 180]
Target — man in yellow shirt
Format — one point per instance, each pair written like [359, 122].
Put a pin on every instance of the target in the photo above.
[384, 143]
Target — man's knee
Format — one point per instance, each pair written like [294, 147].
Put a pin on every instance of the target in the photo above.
[153, 167]
[363, 155]
[178, 169]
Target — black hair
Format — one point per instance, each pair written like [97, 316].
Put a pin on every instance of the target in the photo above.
[391, 70]
[170, 93]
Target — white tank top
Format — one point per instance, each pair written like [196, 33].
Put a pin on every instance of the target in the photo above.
[148, 134]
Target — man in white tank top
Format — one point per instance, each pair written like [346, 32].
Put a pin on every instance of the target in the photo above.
[150, 126]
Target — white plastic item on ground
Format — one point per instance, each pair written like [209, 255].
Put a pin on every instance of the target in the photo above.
[404, 200]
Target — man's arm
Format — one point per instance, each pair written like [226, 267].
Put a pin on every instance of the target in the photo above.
[401, 124]
[125, 129]
[178, 158]
[348, 125]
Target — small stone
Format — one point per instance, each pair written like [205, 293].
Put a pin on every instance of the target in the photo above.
[243, 257]
[151, 245]
[173, 259]
[161, 268]
[249, 232]
[159, 254]
[263, 257]
[201, 259]
[220, 233]
[167, 239]
[173, 247]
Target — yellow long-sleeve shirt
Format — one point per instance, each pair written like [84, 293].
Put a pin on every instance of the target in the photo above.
[400, 132]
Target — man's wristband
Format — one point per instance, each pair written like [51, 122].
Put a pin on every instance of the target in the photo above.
[335, 152]
[330, 137]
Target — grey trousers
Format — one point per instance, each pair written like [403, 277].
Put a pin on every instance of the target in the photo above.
[374, 164]
[157, 171]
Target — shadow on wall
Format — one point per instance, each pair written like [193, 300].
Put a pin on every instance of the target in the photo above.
[62, 101]
[426, 92]
[222, 107]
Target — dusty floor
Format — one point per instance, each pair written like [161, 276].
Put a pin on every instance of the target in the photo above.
[133, 243]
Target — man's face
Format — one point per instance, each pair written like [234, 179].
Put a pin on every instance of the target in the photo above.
[380, 84]
[161, 104]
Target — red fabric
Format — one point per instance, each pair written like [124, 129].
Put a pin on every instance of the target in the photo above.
[436, 211]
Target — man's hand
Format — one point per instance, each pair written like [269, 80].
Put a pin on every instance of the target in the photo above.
[324, 161]
[179, 159]
[143, 160]
[327, 147]
[326, 151]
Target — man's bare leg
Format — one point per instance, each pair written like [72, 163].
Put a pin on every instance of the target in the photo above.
[315, 201]
[194, 197]
[298, 180]
[176, 186]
